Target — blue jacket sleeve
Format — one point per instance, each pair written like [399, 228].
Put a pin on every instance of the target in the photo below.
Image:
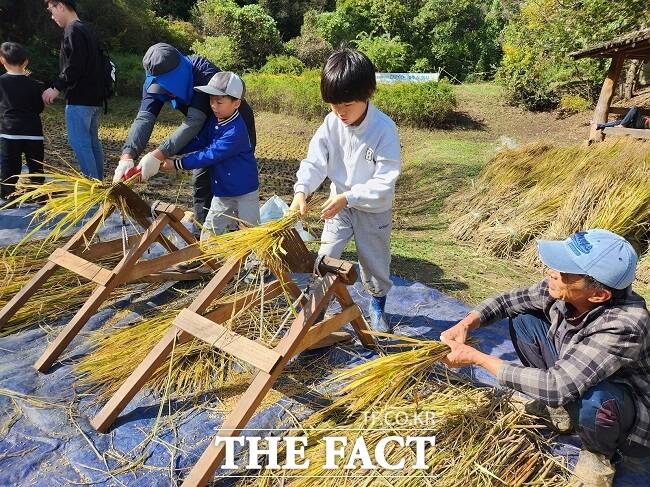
[229, 144]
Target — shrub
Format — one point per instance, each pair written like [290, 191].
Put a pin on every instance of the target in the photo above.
[181, 34]
[215, 17]
[419, 104]
[285, 93]
[253, 33]
[283, 64]
[389, 55]
[421, 65]
[311, 49]
[220, 50]
[528, 79]
[130, 74]
[572, 104]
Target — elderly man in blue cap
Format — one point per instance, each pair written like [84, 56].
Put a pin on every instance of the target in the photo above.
[582, 337]
[171, 77]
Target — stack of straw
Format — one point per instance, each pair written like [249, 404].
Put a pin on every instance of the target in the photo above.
[67, 197]
[196, 366]
[541, 191]
[58, 296]
[482, 438]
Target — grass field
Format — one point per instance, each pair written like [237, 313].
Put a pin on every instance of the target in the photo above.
[436, 164]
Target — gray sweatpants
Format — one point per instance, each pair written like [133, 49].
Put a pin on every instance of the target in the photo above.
[224, 210]
[371, 232]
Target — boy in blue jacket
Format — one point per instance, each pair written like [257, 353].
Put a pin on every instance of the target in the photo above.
[224, 147]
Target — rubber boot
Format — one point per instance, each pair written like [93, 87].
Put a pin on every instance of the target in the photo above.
[378, 320]
[557, 419]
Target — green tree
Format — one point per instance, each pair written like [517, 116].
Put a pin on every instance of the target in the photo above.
[289, 14]
[220, 50]
[536, 69]
[449, 33]
[253, 34]
[310, 47]
[173, 8]
[388, 54]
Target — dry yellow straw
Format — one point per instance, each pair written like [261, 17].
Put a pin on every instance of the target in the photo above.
[67, 197]
[59, 296]
[481, 439]
[542, 191]
[390, 378]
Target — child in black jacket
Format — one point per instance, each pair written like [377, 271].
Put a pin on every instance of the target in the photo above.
[21, 130]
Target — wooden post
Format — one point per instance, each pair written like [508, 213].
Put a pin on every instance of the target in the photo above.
[99, 295]
[290, 344]
[76, 256]
[606, 95]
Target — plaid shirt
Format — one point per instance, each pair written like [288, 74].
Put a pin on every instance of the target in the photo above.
[611, 341]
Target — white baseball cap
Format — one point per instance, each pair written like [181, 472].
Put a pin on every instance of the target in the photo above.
[224, 83]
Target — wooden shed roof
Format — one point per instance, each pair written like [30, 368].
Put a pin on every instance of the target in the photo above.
[635, 45]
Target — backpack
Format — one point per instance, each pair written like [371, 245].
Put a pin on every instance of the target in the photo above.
[108, 75]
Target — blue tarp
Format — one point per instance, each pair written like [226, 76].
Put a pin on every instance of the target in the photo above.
[53, 444]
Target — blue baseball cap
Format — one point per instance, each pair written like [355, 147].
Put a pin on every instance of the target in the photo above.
[601, 254]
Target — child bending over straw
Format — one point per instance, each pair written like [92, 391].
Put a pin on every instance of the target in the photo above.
[224, 146]
[357, 147]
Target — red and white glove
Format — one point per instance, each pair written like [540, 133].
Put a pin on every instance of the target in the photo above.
[122, 167]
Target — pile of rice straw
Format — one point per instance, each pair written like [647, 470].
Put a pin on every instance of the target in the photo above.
[482, 437]
[65, 198]
[548, 192]
[59, 296]
[197, 367]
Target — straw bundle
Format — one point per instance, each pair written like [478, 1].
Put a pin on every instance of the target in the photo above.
[541, 191]
[197, 367]
[265, 241]
[390, 378]
[481, 439]
[67, 196]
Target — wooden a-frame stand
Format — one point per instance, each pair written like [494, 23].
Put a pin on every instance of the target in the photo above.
[195, 322]
[76, 256]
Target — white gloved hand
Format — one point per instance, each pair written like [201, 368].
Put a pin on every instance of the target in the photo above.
[122, 166]
[149, 166]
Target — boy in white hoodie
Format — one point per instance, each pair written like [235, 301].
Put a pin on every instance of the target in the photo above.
[357, 147]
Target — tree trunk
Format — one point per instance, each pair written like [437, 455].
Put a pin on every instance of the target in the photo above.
[605, 99]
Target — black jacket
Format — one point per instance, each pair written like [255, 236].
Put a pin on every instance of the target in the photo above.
[20, 105]
[81, 72]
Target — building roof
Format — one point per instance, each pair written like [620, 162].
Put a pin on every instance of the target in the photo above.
[635, 45]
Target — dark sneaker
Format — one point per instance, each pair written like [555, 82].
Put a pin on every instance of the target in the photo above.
[592, 470]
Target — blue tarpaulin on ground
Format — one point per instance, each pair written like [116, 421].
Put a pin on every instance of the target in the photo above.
[49, 441]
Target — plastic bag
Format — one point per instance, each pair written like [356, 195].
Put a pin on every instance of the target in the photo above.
[275, 208]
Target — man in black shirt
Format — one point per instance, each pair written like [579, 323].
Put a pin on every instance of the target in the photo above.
[21, 131]
[81, 77]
